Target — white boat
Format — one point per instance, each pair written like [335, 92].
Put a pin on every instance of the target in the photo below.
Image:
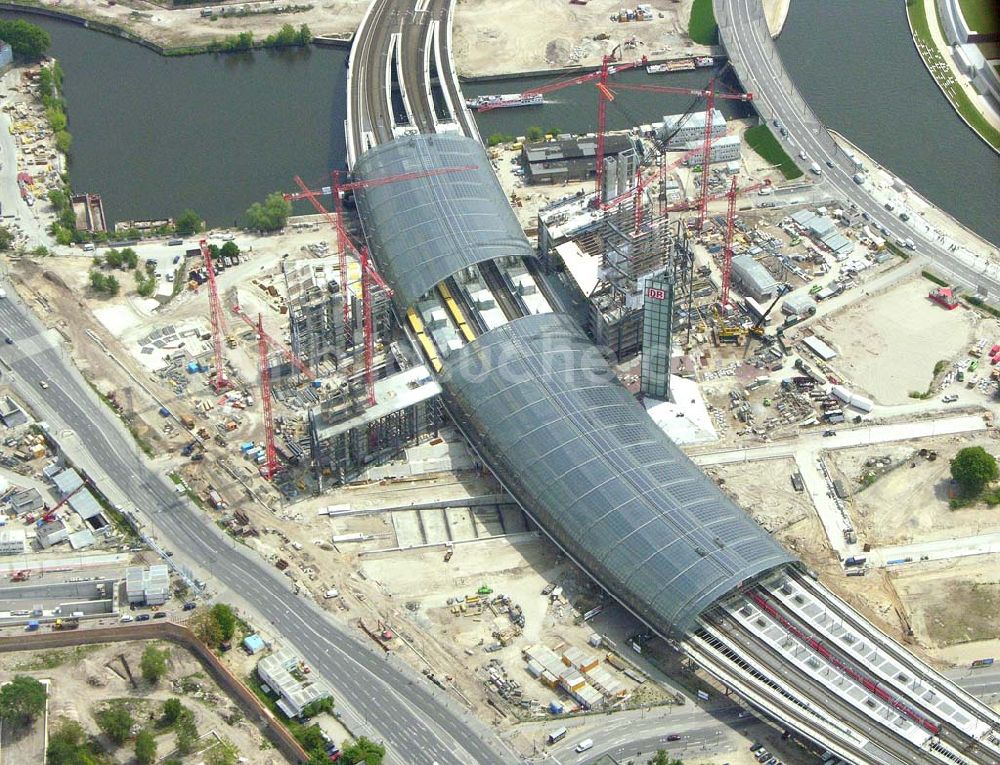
[703, 61]
[656, 69]
[505, 101]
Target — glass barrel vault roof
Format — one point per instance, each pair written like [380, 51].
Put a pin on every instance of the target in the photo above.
[422, 230]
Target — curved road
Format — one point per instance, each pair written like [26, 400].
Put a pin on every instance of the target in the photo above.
[380, 697]
[755, 58]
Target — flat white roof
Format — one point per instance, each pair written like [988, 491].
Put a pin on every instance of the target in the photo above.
[820, 348]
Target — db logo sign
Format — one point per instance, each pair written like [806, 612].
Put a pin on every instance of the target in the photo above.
[655, 294]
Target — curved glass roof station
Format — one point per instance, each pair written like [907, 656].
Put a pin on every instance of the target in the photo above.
[425, 229]
[546, 411]
[594, 471]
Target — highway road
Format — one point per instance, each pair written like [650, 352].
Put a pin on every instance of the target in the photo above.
[381, 697]
[755, 58]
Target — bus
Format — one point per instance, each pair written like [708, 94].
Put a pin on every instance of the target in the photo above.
[557, 735]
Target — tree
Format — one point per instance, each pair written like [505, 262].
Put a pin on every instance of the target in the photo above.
[27, 40]
[315, 707]
[145, 748]
[112, 285]
[305, 35]
[207, 628]
[129, 258]
[153, 663]
[230, 249]
[6, 239]
[172, 709]
[116, 721]
[271, 215]
[365, 751]
[187, 732]
[145, 284]
[225, 617]
[535, 133]
[21, 700]
[63, 141]
[222, 753]
[973, 468]
[188, 222]
[58, 199]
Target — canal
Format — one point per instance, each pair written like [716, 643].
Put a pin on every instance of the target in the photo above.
[154, 135]
[855, 63]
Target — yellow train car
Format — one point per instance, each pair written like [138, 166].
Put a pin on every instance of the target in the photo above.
[456, 313]
[425, 342]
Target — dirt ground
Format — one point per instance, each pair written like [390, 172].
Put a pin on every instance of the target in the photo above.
[179, 27]
[953, 603]
[82, 679]
[888, 345]
[910, 504]
[765, 491]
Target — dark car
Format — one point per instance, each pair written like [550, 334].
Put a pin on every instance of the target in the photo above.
[8, 341]
[674, 737]
[190, 606]
[160, 615]
[142, 618]
[827, 433]
[829, 163]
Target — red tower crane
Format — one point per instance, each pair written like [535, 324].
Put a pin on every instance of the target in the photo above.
[368, 272]
[270, 466]
[604, 96]
[215, 315]
[264, 342]
[727, 249]
[710, 96]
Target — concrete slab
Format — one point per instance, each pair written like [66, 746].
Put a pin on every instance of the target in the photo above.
[460, 520]
[407, 527]
[435, 526]
[513, 519]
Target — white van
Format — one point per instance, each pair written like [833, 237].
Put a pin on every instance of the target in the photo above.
[583, 746]
[88, 247]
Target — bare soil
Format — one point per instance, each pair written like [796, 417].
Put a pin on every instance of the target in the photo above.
[888, 345]
[909, 503]
[85, 678]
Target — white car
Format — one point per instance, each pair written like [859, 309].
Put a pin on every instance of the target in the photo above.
[950, 398]
[127, 618]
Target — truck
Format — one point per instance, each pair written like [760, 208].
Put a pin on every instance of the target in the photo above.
[853, 560]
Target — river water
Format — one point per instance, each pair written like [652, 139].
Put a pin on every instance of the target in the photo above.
[154, 135]
[855, 63]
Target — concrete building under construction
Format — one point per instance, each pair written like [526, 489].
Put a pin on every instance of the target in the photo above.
[315, 309]
[346, 437]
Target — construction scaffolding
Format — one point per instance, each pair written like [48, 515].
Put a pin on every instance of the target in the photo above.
[315, 309]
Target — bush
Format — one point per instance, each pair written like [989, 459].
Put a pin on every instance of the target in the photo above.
[145, 748]
[498, 138]
[116, 722]
[364, 751]
[314, 708]
[172, 709]
[931, 277]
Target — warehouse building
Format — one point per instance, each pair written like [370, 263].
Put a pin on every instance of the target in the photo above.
[678, 130]
[568, 159]
[150, 586]
[753, 279]
[798, 306]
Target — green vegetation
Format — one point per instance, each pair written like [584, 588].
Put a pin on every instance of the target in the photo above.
[762, 140]
[932, 278]
[68, 745]
[316, 707]
[124, 259]
[154, 663]
[287, 37]
[223, 753]
[50, 79]
[973, 468]
[102, 284]
[702, 28]
[272, 215]
[235, 43]
[535, 133]
[215, 625]
[498, 138]
[188, 222]
[981, 304]
[940, 367]
[942, 73]
[309, 736]
[145, 284]
[172, 709]
[28, 41]
[21, 700]
[662, 758]
[115, 721]
[145, 748]
[225, 617]
[982, 16]
[364, 751]
[187, 731]
[6, 239]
